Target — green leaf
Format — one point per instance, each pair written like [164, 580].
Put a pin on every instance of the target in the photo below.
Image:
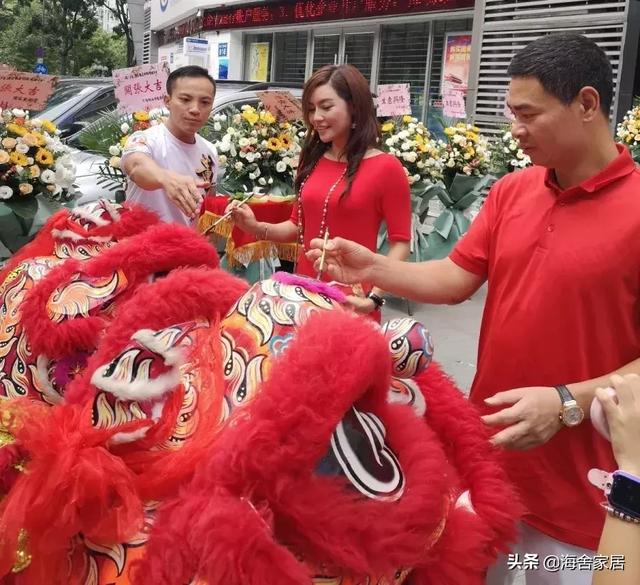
[444, 223]
[467, 200]
[438, 247]
[24, 207]
[104, 132]
[463, 184]
[461, 222]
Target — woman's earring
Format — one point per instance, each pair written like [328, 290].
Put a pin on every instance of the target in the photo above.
[353, 126]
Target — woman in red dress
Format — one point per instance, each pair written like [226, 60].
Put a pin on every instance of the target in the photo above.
[345, 184]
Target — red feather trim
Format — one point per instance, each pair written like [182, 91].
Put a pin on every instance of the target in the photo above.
[71, 485]
[159, 249]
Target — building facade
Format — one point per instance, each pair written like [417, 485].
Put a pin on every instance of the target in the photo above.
[425, 43]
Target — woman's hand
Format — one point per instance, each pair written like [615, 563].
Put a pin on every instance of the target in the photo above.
[362, 305]
[622, 411]
[243, 217]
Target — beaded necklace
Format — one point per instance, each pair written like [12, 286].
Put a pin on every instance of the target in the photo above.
[325, 207]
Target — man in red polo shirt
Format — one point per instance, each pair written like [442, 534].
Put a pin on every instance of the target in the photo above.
[559, 245]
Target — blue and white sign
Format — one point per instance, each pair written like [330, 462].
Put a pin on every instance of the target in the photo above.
[41, 69]
[195, 47]
[223, 49]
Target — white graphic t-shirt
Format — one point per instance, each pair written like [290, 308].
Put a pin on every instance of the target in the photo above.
[198, 160]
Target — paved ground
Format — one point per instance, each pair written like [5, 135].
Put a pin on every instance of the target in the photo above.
[454, 330]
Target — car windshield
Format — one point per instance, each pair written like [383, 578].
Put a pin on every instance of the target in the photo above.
[64, 99]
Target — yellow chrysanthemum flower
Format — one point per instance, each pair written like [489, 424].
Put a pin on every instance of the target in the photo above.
[274, 144]
[449, 131]
[141, 116]
[17, 158]
[387, 127]
[44, 157]
[48, 126]
[123, 140]
[250, 116]
[472, 136]
[39, 137]
[17, 130]
[267, 117]
[407, 119]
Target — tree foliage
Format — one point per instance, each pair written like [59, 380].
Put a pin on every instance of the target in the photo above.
[68, 31]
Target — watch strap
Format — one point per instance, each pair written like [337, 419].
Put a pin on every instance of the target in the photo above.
[377, 299]
[565, 395]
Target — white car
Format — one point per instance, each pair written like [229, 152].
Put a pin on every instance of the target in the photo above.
[89, 183]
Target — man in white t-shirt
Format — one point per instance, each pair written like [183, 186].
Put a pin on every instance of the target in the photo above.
[169, 166]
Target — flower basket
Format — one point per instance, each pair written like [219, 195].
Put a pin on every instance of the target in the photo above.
[36, 176]
[255, 150]
[628, 132]
[107, 137]
[506, 155]
[453, 222]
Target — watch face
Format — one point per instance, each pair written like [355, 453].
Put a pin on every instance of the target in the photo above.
[572, 416]
[625, 494]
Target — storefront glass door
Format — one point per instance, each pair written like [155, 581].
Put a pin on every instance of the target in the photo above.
[354, 47]
[358, 51]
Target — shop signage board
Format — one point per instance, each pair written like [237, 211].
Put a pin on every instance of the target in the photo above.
[195, 47]
[457, 61]
[306, 11]
[258, 61]
[455, 74]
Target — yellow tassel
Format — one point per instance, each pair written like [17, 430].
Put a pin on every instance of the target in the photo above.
[23, 558]
[237, 257]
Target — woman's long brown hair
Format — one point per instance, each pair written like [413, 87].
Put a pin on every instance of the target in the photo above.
[352, 87]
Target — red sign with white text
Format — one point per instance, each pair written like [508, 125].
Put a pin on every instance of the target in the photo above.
[300, 11]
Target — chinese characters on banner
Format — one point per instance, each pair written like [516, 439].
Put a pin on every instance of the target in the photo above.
[394, 100]
[141, 88]
[27, 91]
[282, 104]
[455, 74]
[453, 103]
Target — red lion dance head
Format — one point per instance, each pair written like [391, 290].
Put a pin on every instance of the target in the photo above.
[224, 435]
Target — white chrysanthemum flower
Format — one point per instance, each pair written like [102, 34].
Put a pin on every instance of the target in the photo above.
[281, 166]
[124, 128]
[18, 113]
[48, 177]
[238, 166]
[6, 192]
[114, 150]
